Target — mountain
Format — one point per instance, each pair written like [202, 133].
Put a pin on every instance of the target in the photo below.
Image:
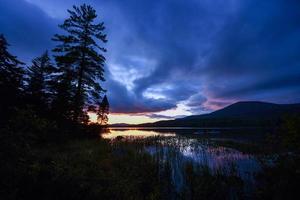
[246, 113]
[120, 125]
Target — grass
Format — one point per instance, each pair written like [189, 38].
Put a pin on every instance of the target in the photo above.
[88, 169]
[64, 167]
[99, 169]
[188, 179]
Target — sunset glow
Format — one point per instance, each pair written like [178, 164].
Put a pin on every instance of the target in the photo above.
[125, 118]
[134, 133]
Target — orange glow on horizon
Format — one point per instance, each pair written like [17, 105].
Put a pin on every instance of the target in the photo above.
[125, 118]
[133, 132]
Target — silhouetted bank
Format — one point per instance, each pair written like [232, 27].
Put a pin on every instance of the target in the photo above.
[240, 114]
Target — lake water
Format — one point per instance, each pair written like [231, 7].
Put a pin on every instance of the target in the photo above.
[197, 146]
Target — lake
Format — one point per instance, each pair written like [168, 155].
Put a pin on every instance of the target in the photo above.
[199, 147]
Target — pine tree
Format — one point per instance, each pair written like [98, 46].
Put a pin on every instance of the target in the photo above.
[63, 87]
[40, 81]
[80, 52]
[11, 80]
[103, 111]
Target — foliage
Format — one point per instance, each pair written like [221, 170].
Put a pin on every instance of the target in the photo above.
[11, 81]
[39, 83]
[290, 132]
[62, 103]
[37, 111]
[18, 138]
[84, 169]
[103, 111]
[62, 91]
[281, 180]
[203, 184]
[78, 53]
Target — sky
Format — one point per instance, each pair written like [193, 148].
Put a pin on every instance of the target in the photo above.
[173, 58]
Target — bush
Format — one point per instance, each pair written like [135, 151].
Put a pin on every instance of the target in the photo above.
[291, 132]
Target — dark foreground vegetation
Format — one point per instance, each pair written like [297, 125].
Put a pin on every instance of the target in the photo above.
[41, 161]
[50, 151]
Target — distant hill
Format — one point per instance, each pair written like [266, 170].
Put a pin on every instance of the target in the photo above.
[247, 113]
[120, 125]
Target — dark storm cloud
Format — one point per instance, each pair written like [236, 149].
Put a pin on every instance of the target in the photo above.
[157, 116]
[258, 54]
[206, 53]
[176, 41]
[27, 28]
[196, 100]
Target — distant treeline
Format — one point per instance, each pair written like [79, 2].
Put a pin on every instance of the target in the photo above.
[219, 122]
[65, 88]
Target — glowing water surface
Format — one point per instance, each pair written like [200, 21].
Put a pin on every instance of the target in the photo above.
[113, 133]
[185, 145]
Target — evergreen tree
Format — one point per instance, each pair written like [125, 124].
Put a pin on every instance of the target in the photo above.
[11, 80]
[63, 87]
[40, 79]
[103, 111]
[79, 51]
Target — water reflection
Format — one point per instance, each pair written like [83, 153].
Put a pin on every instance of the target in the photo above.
[191, 147]
[113, 133]
[178, 149]
[181, 150]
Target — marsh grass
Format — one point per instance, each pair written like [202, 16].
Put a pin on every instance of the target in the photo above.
[186, 179]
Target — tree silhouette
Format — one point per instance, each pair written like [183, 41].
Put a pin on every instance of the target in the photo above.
[40, 81]
[11, 79]
[103, 111]
[63, 93]
[78, 51]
